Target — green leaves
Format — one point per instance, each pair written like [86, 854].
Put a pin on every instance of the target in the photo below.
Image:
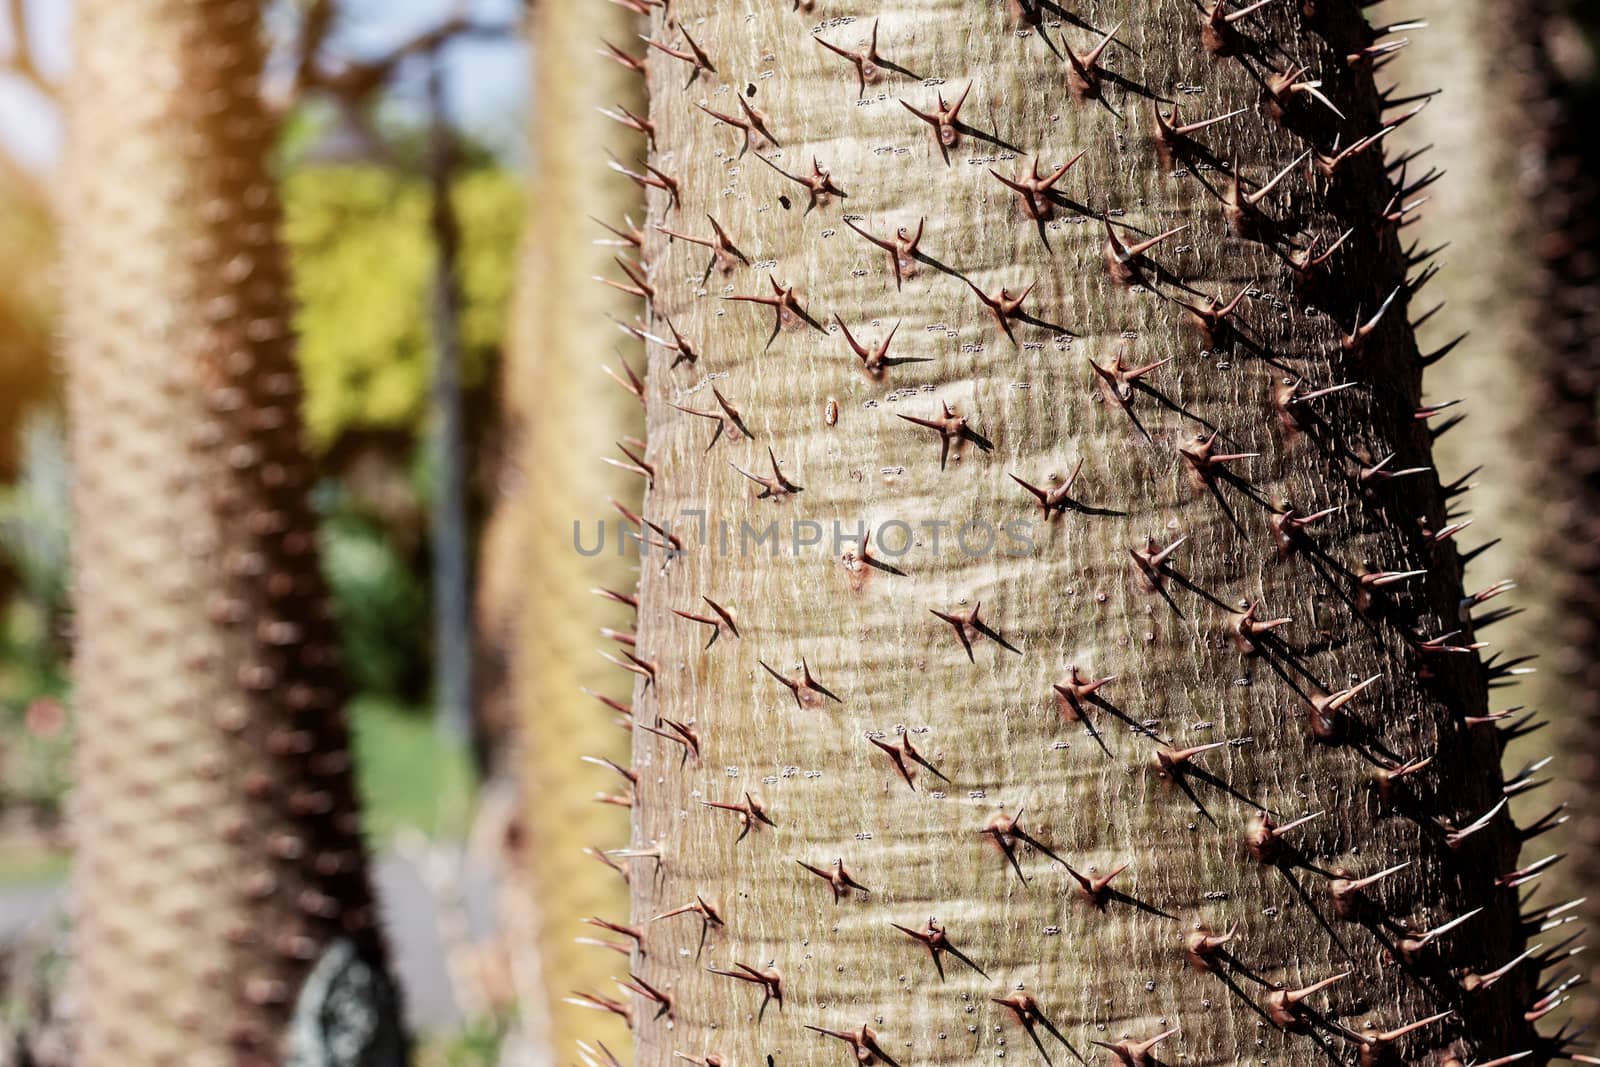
[358, 237]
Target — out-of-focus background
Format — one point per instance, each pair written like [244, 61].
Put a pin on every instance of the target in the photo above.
[353, 170]
[432, 717]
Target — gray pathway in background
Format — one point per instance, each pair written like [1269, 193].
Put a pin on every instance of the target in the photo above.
[410, 916]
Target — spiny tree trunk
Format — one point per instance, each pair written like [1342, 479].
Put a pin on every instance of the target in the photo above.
[975, 775]
[563, 336]
[219, 856]
[1511, 213]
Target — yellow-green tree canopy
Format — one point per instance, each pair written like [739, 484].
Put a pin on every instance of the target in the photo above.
[363, 258]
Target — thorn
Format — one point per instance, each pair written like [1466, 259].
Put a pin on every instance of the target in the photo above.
[727, 256]
[678, 733]
[652, 179]
[904, 751]
[709, 914]
[1096, 889]
[1288, 527]
[1035, 190]
[1265, 841]
[1428, 411]
[694, 55]
[753, 126]
[1205, 462]
[1119, 380]
[837, 877]
[1307, 262]
[1242, 212]
[1389, 779]
[1376, 56]
[1025, 1009]
[819, 184]
[1056, 498]
[603, 1057]
[621, 58]
[722, 618]
[1128, 263]
[1356, 340]
[708, 1060]
[620, 598]
[1216, 27]
[1203, 947]
[1282, 87]
[1283, 1005]
[728, 417]
[1005, 831]
[1348, 893]
[785, 305]
[600, 856]
[1326, 716]
[635, 465]
[1379, 473]
[808, 693]
[1174, 138]
[638, 985]
[1085, 75]
[631, 237]
[634, 384]
[951, 428]
[868, 63]
[770, 981]
[642, 667]
[1136, 1053]
[685, 351]
[669, 541]
[1411, 945]
[1211, 320]
[1374, 1045]
[967, 623]
[1551, 819]
[1522, 876]
[863, 1042]
[1245, 626]
[873, 360]
[1172, 762]
[934, 938]
[622, 772]
[944, 119]
[773, 487]
[600, 1003]
[1076, 691]
[1004, 307]
[1152, 563]
[639, 287]
[1456, 837]
[902, 250]
[749, 812]
[627, 118]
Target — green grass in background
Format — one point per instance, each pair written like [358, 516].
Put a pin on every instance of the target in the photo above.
[410, 777]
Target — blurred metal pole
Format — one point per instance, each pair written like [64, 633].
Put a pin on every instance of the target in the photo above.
[452, 619]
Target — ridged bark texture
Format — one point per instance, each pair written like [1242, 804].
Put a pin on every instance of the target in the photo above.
[1518, 279]
[1041, 789]
[218, 846]
[563, 336]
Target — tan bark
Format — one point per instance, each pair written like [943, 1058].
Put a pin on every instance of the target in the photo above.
[218, 844]
[568, 413]
[999, 720]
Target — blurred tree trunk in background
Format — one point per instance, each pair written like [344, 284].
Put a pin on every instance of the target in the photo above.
[221, 890]
[1514, 206]
[564, 415]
